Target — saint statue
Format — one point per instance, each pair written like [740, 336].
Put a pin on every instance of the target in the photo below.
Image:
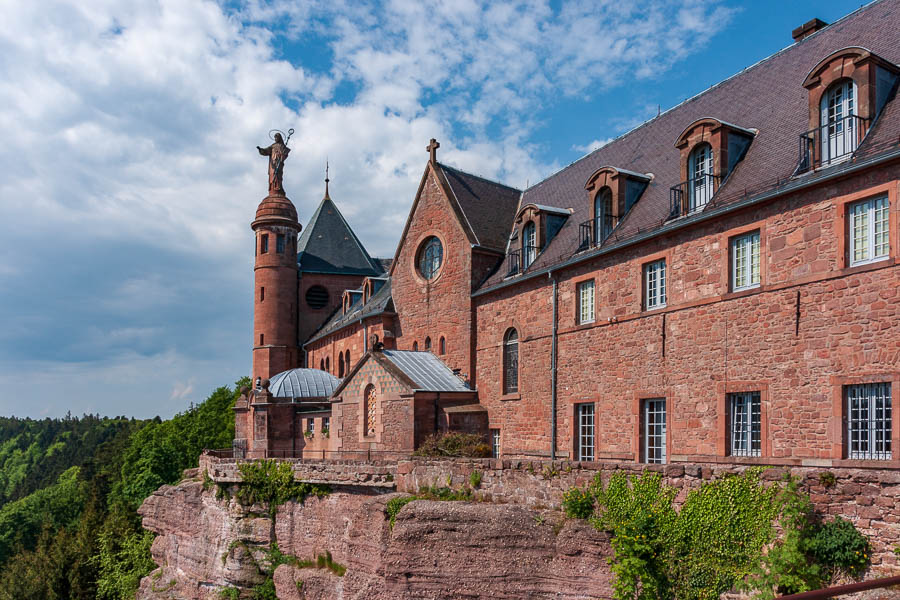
[277, 153]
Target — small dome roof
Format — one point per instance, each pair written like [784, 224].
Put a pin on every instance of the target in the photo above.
[303, 383]
[277, 207]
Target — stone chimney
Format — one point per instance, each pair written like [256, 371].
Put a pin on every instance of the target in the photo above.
[807, 29]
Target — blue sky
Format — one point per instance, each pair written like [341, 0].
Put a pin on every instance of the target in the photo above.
[128, 173]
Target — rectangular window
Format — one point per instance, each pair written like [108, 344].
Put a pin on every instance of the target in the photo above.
[326, 421]
[745, 261]
[655, 284]
[744, 411]
[311, 426]
[586, 301]
[869, 421]
[279, 243]
[262, 293]
[655, 430]
[495, 443]
[585, 416]
[869, 231]
[264, 243]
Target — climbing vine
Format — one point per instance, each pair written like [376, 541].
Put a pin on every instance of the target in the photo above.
[716, 540]
[272, 483]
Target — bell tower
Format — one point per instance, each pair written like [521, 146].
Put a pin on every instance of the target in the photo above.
[276, 227]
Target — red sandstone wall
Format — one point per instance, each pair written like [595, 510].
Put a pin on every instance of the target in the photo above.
[442, 306]
[716, 341]
[311, 319]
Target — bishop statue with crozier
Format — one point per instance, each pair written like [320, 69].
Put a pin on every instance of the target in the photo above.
[277, 153]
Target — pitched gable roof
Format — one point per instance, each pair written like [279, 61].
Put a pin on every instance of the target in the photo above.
[768, 96]
[379, 303]
[328, 245]
[416, 371]
[489, 207]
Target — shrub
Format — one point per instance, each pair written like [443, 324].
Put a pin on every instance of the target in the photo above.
[394, 505]
[578, 503]
[475, 479]
[838, 546]
[272, 483]
[454, 443]
[229, 593]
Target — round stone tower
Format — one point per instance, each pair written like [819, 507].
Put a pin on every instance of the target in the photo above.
[275, 295]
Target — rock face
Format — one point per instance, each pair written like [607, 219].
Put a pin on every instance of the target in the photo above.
[435, 549]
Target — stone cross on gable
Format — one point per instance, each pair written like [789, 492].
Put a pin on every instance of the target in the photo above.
[432, 149]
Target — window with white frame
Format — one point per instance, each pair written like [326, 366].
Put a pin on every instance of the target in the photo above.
[529, 244]
[744, 411]
[585, 417]
[869, 421]
[869, 230]
[311, 427]
[655, 284]
[745, 261]
[326, 421]
[586, 301]
[700, 186]
[655, 430]
[495, 443]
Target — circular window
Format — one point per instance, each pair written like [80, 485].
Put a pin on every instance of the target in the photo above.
[431, 256]
[317, 297]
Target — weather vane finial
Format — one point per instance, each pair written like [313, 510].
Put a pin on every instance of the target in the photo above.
[326, 178]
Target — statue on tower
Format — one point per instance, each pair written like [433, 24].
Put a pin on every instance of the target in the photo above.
[277, 153]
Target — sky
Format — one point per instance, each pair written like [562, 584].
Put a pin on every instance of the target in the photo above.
[129, 173]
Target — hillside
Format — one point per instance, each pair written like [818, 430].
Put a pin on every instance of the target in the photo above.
[69, 490]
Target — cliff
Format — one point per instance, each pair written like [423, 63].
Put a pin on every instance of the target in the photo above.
[435, 549]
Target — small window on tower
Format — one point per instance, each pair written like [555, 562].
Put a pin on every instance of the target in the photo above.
[261, 338]
[262, 294]
[264, 243]
[279, 243]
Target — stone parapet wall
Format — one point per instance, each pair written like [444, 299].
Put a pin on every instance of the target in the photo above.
[333, 472]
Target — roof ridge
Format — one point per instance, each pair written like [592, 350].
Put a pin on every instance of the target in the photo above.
[481, 177]
[703, 92]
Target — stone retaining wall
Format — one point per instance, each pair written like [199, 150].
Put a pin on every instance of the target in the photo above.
[869, 498]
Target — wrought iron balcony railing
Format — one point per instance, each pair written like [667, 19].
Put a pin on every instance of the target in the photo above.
[594, 231]
[692, 195]
[512, 263]
[831, 143]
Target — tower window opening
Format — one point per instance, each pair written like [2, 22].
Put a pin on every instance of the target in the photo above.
[262, 294]
[279, 243]
[261, 339]
[264, 243]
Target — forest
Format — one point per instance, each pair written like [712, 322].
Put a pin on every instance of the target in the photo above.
[70, 489]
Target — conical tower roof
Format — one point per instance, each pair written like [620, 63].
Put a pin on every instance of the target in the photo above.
[328, 245]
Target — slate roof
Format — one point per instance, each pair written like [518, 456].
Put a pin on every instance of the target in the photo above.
[303, 383]
[427, 371]
[328, 245]
[380, 302]
[488, 206]
[768, 96]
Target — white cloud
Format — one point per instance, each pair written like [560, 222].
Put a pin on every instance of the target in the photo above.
[591, 146]
[128, 174]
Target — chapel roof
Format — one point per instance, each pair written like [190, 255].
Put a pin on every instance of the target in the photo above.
[768, 96]
[488, 206]
[328, 245]
[427, 372]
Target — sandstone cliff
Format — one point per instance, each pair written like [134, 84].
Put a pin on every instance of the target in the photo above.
[435, 549]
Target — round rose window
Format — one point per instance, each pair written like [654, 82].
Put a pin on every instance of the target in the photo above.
[431, 255]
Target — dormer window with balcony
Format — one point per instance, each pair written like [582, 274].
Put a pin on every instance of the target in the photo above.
[847, 91]
[613, 192]
[710, 150]
[535, 226]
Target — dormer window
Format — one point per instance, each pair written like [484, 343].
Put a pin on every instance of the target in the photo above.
[529, 244]
[701, 184]
[710, 150]
[603, 215]
[847, 91]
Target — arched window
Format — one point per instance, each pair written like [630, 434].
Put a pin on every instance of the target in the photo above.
[340, 364]
[442, 348]
[840, 130]
[347, 360]
[415, 346]
[511, 361]
[328, 364]
[700, 171]
[603, 215]
[321, 364]
[529, 245]
[431, 256]
[427, 344]
[370, 398]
